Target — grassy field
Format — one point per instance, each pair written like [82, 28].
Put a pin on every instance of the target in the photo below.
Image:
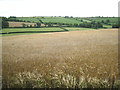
[106, 22]
[99, 19]
[49, 19]
[75, 59]
[28, 19]
[61, 20]
[69, 20]
[22, 31]
[107, 26]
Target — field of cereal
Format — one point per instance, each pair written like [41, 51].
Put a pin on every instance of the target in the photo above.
[75, 59]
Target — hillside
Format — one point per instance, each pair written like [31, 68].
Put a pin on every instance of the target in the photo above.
[54, 21]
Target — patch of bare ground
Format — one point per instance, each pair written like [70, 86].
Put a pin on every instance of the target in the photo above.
[19, 24]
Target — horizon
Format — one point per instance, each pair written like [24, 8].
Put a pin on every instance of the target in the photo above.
[75, 8]
[60, 16]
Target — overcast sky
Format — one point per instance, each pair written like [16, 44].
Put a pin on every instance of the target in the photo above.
[79, 8]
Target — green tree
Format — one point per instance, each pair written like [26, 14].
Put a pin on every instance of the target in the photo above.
[107, 21]
[115, 25]
[81, 20]
[27, 26]
[24, 25]
[30, 26]
[38, 25]
[102, 21]
[75, 25]
[49, 24]
[59, 24]
[35, 25]
[45, 24]
[66, 17]
[5, 23]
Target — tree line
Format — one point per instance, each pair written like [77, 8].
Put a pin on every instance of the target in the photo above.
[84, 24]
[92, 24]
[5, 23]
[48, 24]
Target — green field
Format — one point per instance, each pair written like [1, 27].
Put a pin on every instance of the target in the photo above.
[106, 22]
[46, 24]
[23, 31]
[68, 20]
[60, 20]
[28, 19]
[99, 19]
[49, 19]
[107, 26]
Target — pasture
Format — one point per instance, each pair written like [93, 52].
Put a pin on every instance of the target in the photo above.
[75, 59]
[100, 19]
[60, 20]
[49, 19]
[86, 22]
[23, 31]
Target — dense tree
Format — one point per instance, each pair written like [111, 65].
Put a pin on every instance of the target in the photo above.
[115, 26]
[24, 25]
[107, 21]
[27, 26]
[60, 24]
[35, 25]
[70, 25]
[49, 24]
[30, 26]
[38, 25]
[91, 25]
[102, 21]
[5, 23]
[45, 24]
[81, 20]
[12, 17]
[75, 25]
[66, 17]
[93, 22]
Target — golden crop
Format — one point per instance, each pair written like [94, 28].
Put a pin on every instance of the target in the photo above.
[65, 59]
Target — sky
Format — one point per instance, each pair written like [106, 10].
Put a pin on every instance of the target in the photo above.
[76, 8]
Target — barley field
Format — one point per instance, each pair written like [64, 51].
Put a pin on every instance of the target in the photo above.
[20, 24]
[74, 59]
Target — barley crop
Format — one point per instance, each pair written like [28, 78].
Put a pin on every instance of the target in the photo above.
[78, 59]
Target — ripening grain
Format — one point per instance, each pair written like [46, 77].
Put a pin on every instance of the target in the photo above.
[70, 58]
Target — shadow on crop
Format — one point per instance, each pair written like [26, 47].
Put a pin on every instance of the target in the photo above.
[64, 29]
[31, 32]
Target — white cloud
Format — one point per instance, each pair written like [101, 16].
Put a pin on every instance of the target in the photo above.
[80, 8]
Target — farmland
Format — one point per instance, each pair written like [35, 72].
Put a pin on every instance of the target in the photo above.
[60, 20]
[68, 20]
[48, 19]
[27, 19]
[20, 24]
[63, 52]
[86, 22]
[23, 31]
[100, 19]
[78, 58]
